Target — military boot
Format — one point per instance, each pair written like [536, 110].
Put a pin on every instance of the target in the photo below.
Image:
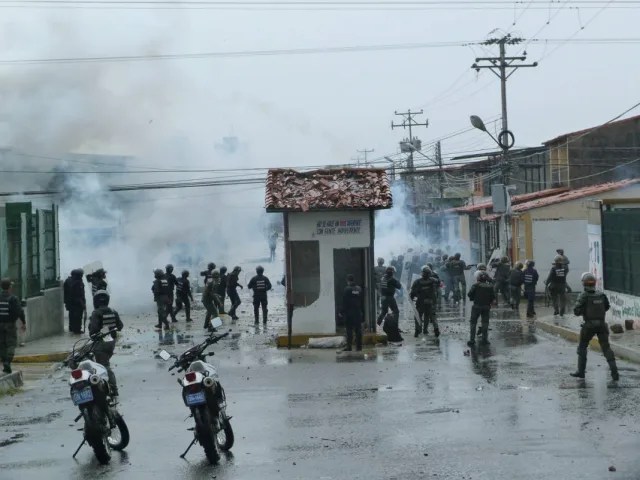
[614, 370]
[582, 366]
[472, 335]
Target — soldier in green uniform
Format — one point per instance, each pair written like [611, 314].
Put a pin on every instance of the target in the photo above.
[10, 311]
[424, 291]
[482, 295]
[592, 305]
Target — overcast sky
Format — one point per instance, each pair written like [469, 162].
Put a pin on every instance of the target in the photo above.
[299, 109]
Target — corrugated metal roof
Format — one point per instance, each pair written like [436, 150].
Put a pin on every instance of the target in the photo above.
[525, 197]
[574, 194]
[329, 189]
[565, 136]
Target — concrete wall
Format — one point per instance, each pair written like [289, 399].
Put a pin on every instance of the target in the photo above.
[623, 307]
[45, 315]
[319, 317]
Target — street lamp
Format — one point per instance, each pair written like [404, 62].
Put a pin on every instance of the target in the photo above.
[477, 122]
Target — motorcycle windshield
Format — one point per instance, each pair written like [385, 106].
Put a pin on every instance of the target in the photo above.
[206, 369]
[94, 368]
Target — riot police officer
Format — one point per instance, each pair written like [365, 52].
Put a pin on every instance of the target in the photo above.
[232, 291]
[455, 268]
[208, 272]
[557, 283]
[161, 295]
[482, 295]
[222, 287]
[424, 291]
[592, 305]
[172, 279]
[10, 311]
[210, 299]
[105, 319]
[388, 286]
[530, 281]
[184, 295]
[378, 272]
[352, 306]
[501, 279]
[98, 281]
[516, 279]
[260, 286]
[74, 300]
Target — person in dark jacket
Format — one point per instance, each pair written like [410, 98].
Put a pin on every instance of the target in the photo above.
[483, 295]
[388, 286]
[222, 288]
[74, 300]
[530, 281]
[378, 273]
[210, 300]
[172, 279]
[516, 279]
[557, 283]
[501, 279]
[455, 268]
[424, 291]
[352, 311]
[260, 286]
[161, 295]
[208, 272]
[10, 311]
[593, 305]
[98, 281]
[105, 319]
[232, 290]
[184, 295]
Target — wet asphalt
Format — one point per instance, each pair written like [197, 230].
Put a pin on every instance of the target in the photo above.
[427, 409]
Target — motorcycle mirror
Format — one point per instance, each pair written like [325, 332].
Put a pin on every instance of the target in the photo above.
[164, 355]
[216, 322]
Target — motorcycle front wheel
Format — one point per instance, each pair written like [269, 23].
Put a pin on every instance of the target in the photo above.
[119, 436]
[225, 436]
[206, 435]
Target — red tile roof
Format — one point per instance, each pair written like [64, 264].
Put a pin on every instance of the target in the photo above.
[525, 197]
[331, 189]
[574, 194]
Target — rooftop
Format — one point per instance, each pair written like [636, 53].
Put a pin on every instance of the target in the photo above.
[516, 199]
[288, 190]
[566, 136]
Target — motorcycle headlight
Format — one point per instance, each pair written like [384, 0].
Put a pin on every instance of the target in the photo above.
[208, 382]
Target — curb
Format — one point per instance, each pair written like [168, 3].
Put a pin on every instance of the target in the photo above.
[11, 381]
[297, 341]
[620, 351]
[41, 357]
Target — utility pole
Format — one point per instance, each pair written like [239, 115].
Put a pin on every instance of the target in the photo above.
[503, 67]
[440, 173]
[412, 144]
[366, 152]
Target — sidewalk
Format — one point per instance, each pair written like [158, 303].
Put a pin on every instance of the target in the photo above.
[625, 345]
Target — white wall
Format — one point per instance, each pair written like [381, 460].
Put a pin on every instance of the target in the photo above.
[594, 234]
[319, 317]
[571, 235]
[623, 307]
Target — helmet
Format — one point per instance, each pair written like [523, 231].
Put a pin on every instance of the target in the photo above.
[158, 273]
[482, 267]
[426, 271]
[78, 272]
[169, 268]
[259, 269]
[237, 269]
[519, 266]
[101, 272]
[101, 298]
[531, 263]
[211, 266]
[185, 273]
[457, 256]
[380, 261]
[557, 259]
[588, 279]
[504, 259]
[430, 265]
[560, 251]
[483, 277]
[390, 270]
[215, 274]
[223, 270]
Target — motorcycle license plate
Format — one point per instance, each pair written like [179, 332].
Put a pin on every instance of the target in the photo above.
[195, 398]
[82, 396]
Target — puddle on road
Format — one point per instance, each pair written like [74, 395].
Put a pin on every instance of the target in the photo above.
[16, 422]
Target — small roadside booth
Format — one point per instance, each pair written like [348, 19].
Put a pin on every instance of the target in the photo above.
[328, 233]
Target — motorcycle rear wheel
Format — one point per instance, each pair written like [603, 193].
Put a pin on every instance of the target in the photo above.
[119, 436]
[206, 435]
[95, 434]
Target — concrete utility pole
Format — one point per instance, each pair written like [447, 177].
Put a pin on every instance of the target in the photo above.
[366, 152]
[440, 172]
[503, 67]
[409, 122]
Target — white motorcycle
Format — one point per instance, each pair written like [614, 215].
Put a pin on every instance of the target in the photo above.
[104, 427]
[205, 397]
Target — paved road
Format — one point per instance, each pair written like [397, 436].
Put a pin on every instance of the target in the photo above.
[425, 410]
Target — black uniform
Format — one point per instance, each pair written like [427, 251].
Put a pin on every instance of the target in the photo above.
[352, 306]
[530, 281]
[172, 279]
[184, 295]
[455, 269]
[232, 291]
[483, 295]
[75, 301]
[424, 291]
[104, 319]
[516, 279]
[161, 295]
[97, 284]
[557, 283]
[222, 289]
[592, 305]
[207, 274]
[502, 281]
[10, 311]
[260, 286]
[388, 287]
